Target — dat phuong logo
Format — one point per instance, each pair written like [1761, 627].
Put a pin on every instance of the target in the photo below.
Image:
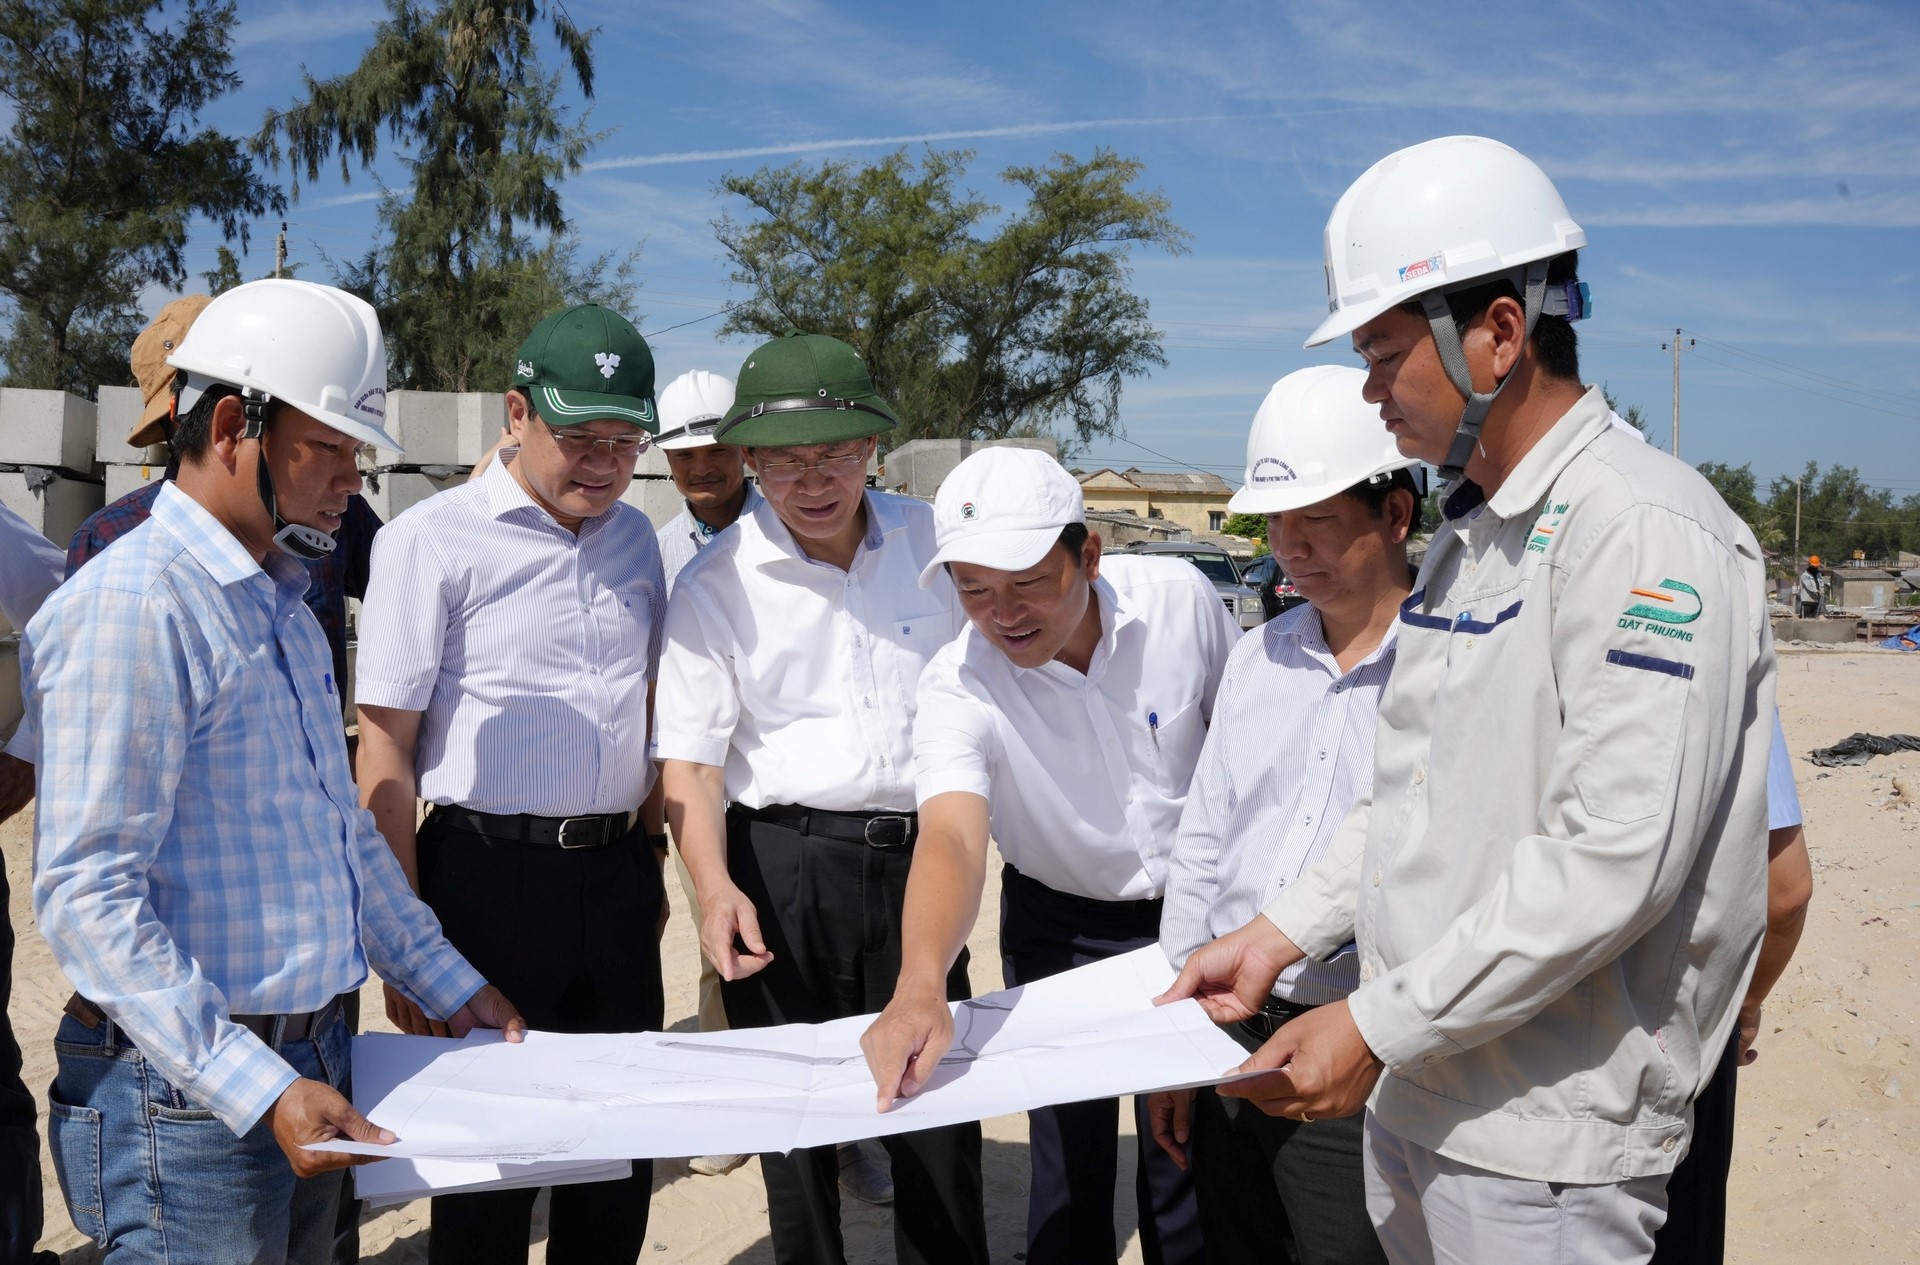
[1662, 609]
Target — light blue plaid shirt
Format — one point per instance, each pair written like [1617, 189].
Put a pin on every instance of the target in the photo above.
[200, 849]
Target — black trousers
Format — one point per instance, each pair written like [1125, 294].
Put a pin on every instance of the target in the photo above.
[1695, 1231]
[1076, 1146]
[20, 1195]
[830, 912]
[1272, 1188]
[572, 939]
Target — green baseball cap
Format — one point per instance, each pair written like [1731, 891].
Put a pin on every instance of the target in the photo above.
[804, 389]
[588, 364]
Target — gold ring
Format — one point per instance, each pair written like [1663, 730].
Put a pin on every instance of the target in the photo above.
[1305, 1118]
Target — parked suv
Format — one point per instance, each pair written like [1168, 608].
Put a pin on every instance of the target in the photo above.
[1242, 602]
[1276, 591]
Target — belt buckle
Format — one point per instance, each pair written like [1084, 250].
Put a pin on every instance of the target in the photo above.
[904, 822]
[596, 841]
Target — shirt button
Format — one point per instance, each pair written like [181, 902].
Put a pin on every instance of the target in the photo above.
[1669, 1144]
[1366, 970]
[1419, 776]
[866, 702]
[1376, 878]
[1431, 1059]
[1339, 686]
[1308, 820]
[1323, 755]
[594, 668]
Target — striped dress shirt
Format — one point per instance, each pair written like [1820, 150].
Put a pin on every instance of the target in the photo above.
[200, 849]
[684, 534]
[1289, 753]
[529, 649]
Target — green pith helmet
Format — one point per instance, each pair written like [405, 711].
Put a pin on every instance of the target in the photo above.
[588, 364]
[804, 389]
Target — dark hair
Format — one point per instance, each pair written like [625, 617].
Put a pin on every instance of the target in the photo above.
[193, 430]
[1374, 495]
[1555, 344]
[1072, 538]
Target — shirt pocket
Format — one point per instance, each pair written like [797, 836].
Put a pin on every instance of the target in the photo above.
[1177, 736]
[913, 641]
[1632, 736]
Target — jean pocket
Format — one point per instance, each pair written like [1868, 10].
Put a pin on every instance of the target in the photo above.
[73, 1135]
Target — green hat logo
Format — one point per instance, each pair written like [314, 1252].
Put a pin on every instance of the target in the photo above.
[588, 364]
[804, 389]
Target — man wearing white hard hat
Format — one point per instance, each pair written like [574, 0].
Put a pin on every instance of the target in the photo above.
[1340, 500]
[1064, 721]
[203, 871]
[1558, 883]
[710, 476]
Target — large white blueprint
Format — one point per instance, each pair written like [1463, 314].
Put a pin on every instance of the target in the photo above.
[1093, 1032]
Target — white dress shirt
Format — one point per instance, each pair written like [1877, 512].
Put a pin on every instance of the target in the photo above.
[1289, 753]
[529, 649]
[683, 535]
[1085, 775]
[797, 677]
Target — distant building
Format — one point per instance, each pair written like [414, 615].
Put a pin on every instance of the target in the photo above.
[1195, 501]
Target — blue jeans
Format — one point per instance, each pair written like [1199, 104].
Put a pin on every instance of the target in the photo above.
[152, 1177]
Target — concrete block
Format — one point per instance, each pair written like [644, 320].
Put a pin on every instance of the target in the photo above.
[657, 498]
[482, 419]
[124, 479]
[392, 493]
[55, 509]
[118, 413]
[9, 686]
[47, 428]
[425, 424]
[1832, 632]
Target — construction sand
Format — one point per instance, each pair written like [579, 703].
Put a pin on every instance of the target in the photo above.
[1829, 1127]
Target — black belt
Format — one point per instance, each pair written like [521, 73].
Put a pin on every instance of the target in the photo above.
[876, 830]
[1093, 905]
[1275, 1013]
[597, 830]
[298, 1027]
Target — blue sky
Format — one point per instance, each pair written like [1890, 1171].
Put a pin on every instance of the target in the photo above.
[1747, 171]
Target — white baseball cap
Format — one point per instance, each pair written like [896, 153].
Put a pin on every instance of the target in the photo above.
[1003, 508]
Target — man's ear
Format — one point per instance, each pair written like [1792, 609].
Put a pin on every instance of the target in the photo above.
[225, 435]
[1403, 508]
[1090, 556]
[1502, 331]
[519, 415]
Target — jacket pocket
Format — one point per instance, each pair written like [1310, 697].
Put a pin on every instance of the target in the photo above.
[73, 1135]
[1635, 721]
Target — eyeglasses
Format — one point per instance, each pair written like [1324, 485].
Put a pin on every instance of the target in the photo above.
[837, 466]
[580, 443]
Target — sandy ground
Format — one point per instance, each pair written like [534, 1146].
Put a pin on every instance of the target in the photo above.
[1829, 1125]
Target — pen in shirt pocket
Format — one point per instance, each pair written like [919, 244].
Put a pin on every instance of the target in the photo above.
[1153, 727]
[329, 682]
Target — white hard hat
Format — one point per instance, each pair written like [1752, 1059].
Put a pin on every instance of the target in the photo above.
[1461, 208]
[314, 347]
[1003, 508]
[691, 407]
[1313, 438]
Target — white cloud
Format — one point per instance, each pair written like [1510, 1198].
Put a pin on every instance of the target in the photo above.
[303, 23]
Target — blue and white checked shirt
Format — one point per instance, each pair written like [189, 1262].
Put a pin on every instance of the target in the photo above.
[1289, 752]
[200, 849]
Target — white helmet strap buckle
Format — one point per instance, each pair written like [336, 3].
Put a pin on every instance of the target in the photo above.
[1446, 340]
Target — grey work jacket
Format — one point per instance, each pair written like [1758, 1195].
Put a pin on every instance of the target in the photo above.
[1558, 885]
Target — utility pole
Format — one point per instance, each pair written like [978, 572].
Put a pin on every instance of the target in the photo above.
[280, 262]
[1674, 346]
[1796, 522]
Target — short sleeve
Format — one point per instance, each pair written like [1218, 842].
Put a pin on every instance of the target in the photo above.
[952, 730]
[403, 620]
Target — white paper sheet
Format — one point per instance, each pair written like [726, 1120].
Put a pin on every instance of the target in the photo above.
[1089, 1033]
[401, 1181]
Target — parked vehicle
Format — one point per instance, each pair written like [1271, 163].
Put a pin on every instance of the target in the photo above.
[1276, 591]
[1242, 602]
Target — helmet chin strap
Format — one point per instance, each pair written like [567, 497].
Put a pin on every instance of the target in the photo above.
[309, 544]
[1446, 339]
